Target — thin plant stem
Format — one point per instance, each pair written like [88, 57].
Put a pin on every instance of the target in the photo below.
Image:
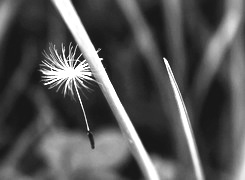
[80, 101]
[89, 133]
[217, 46]
[186, 124]
[77, 29]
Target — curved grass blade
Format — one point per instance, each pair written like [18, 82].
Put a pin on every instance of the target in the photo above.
[186, 124]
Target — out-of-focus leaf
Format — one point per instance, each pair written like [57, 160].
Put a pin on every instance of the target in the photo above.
[167, 168]
[110, 150]
[95, 175]
[67, 152]
[9, 173]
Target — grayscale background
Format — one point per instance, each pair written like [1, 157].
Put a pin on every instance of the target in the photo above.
[43, 134]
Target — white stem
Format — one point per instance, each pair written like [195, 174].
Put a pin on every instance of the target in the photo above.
[77, 29]
[80, 101]
[186, 124]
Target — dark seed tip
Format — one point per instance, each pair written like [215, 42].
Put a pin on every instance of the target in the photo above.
[91, 139]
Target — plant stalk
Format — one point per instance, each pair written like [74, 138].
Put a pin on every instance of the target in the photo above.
[186, 124]
[79, 33]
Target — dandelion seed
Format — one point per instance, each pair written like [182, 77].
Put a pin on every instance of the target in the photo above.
[68, 73]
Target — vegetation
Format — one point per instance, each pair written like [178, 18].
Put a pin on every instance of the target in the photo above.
[43, 134]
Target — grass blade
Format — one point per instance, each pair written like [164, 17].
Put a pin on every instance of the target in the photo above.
[186, 124]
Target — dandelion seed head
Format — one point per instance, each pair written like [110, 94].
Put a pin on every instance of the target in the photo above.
[65, 72]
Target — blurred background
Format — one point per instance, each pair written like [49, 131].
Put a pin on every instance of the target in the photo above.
[42, 133]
